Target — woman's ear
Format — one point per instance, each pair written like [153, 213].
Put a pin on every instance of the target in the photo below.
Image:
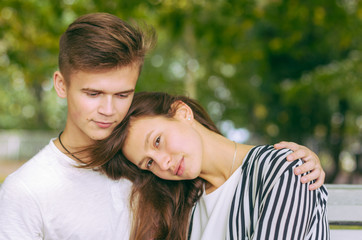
[182, 111]
[60, 85]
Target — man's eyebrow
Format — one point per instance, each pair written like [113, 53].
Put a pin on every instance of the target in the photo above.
[101, 91]
[126, 91]
[91, 90]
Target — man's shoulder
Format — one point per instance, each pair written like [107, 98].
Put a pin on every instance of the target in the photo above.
[35, 169]
[38, 161]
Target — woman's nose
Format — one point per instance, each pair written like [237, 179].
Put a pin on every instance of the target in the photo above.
[163, 161]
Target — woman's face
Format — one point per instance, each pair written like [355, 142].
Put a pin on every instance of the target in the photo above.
[168, 147]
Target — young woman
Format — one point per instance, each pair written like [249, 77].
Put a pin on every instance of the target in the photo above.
[182, 168]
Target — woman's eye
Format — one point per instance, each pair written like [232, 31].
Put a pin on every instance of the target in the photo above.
[157, 142]
[149, 163]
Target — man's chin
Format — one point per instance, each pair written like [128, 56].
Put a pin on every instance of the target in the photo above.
[101, 135]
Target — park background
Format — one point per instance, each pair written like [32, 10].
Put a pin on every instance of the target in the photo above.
[265, 70]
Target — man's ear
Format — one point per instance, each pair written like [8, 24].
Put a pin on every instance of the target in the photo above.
[60, 85]
[182, 111]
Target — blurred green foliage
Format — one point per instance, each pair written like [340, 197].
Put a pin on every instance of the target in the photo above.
[286, 70]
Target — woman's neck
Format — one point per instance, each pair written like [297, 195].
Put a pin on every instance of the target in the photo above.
[219, 154]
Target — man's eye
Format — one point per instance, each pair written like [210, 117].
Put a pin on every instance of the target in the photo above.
[149, 163]
[92, 94]
[157, 142]
[123, 95]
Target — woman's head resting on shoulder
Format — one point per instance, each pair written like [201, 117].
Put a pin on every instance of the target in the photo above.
[160, 134]
[159, 139]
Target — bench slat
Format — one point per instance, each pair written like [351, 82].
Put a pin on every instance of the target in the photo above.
[345, 204]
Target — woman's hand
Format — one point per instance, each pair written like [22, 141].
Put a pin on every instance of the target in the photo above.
[311, 163]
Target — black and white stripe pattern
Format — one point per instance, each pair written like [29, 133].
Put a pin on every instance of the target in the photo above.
[271, 203]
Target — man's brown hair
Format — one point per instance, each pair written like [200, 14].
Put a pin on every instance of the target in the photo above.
[101, 41]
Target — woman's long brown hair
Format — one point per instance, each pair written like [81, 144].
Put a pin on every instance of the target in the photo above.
[161, 208]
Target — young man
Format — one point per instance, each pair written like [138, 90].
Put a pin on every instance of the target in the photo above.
[100, 60]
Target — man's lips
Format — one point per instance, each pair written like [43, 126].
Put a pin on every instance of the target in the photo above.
[103, 124]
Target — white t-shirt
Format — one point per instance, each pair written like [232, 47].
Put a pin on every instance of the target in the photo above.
[49, 198]
[213, 210]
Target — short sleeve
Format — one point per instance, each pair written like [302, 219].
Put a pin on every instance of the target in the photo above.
[20, 216]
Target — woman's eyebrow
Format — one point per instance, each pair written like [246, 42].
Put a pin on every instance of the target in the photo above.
[147, 138]
[141, 163]
[145, 146]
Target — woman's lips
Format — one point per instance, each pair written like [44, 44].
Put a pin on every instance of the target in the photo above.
[181, 168]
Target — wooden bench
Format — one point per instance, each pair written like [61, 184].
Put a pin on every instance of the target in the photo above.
[345, 211]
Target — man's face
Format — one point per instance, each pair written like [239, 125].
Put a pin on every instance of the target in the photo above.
[98, 101]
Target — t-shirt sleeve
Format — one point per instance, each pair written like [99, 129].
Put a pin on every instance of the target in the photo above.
[20, 216]
[287, 209]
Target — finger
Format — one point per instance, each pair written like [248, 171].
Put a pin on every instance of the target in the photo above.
[300, 154]
[291, 145]
[280, 145]
[305, 167]
[314, 175]
[318, 183]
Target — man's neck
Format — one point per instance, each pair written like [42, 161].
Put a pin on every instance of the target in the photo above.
[74, 152]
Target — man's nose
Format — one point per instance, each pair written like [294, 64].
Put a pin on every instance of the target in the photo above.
[106, 106]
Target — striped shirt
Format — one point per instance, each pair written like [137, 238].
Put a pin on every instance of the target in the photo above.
[268, 201]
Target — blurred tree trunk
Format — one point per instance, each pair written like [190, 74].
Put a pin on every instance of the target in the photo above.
[336, 139]
[190, 44]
